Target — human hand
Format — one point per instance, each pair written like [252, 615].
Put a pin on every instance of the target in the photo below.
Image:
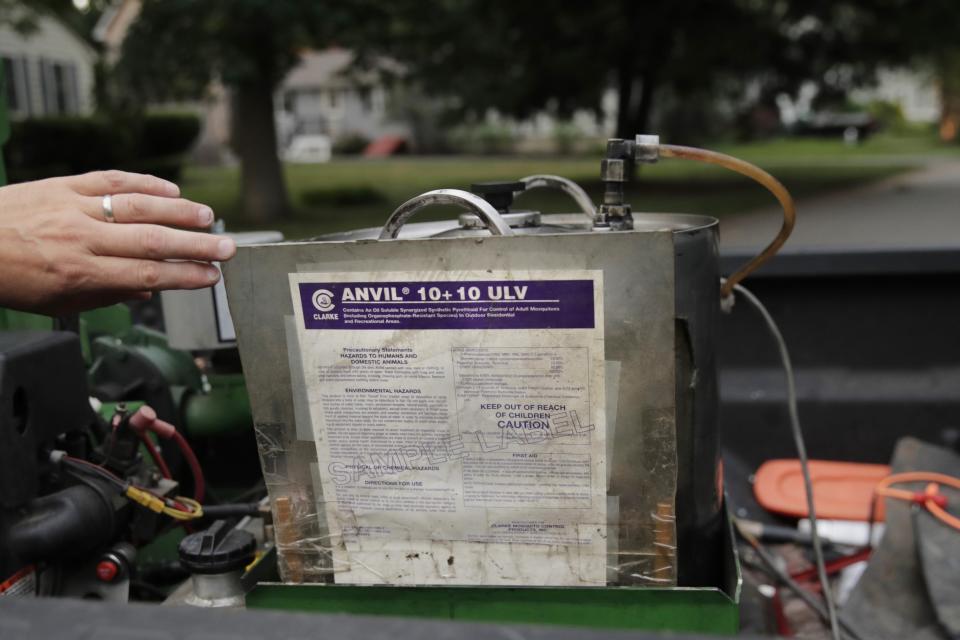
[59, 255]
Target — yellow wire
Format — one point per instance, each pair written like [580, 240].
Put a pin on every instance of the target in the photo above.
[159, 505]
[196, 509]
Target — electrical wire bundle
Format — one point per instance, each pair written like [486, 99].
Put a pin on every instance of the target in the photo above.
[145, 420]
[179, 507]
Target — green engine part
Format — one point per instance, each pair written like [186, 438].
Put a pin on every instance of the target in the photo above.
[139, 364]
[223, 408]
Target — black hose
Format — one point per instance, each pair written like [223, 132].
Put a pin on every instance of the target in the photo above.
[234, 510]
[70, 523]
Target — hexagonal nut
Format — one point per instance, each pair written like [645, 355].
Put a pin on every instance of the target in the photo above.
[614, 211]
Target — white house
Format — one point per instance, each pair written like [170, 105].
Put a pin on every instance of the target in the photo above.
[320, 96]
[48, 70]
[914, 90]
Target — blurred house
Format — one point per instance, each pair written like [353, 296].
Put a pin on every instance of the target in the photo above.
[112, 27]
[49, 70]
[914, 91]
[322, 95]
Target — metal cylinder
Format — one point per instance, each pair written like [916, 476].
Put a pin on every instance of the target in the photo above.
[217, 590]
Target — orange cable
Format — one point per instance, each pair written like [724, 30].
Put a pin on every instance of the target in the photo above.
[928, 497]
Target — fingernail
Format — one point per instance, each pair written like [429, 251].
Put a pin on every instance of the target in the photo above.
[213, 274]
[225, 249]
[171, 188]
[205, 216]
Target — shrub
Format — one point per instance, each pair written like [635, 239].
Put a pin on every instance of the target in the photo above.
[61, 146]
[350, 144]
[45, 147]
[566, 137]
[340, 196]
[168, 134]
[485, 139]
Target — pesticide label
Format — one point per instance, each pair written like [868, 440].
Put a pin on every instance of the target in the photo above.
[459, 421]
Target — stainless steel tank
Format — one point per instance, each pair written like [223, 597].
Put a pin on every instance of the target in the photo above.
[661, 302]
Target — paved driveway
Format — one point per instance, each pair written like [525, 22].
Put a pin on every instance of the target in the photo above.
[920, 210]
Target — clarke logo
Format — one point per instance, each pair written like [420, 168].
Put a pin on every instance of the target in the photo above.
[323, 300]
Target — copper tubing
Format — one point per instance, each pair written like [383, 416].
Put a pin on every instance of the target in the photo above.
[756, 173]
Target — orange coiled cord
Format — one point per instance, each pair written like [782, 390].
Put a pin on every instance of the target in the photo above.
[930, 498]
[756, 173]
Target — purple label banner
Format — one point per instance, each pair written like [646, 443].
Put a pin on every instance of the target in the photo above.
[481, 304]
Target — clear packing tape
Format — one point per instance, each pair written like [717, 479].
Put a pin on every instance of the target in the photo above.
[624, 536]
[636, 554]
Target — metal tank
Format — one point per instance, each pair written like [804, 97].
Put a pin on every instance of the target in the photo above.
[661, 292]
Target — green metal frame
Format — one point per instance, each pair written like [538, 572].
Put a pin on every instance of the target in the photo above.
[690, 610]
[681, 609]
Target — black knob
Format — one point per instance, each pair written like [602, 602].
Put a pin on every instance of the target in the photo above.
[219, 549]
[498, 194]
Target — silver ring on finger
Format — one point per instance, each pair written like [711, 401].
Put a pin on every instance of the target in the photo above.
[108, 209]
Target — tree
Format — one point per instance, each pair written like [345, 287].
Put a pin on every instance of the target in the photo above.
[520, 57]
[176, 48]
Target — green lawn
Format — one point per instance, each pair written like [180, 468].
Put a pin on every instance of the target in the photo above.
[354, 193]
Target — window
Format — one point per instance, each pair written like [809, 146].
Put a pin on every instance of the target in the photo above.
[60, 90]
[16, 79]
[364, 93]
[10, 82]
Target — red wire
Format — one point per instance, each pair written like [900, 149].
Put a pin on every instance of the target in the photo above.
[95, 467]
[783, 624]
[199, 486]
[833, 566]
[155, 454]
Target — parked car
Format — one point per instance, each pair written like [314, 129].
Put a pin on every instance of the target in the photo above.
[852, 127]
[309, 149]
